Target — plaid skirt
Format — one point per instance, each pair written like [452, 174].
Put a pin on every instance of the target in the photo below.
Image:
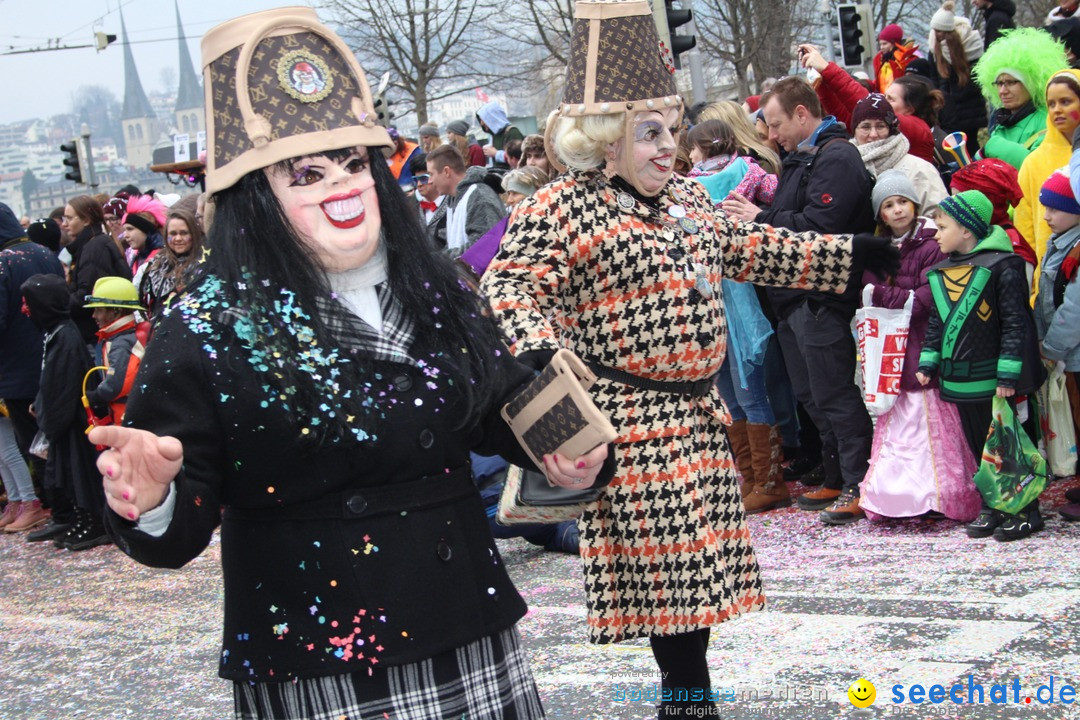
[488, 678]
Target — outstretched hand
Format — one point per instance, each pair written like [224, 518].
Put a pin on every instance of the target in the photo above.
[876, 254]
[137, 468]
[578, 473]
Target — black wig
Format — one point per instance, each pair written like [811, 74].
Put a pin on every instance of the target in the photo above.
[256, 254]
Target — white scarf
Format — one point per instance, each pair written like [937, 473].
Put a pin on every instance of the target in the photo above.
[881, 155]
[355, 288]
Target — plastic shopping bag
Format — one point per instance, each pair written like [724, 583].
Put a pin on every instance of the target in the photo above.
[1012, 472]
[883, 334]
[39, 446]
[1056, 422]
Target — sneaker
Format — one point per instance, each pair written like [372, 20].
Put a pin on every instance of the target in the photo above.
[844, 510]
[30, 516]
[985, 525]
[1017, 527]
[50, 531]
[1070, 512]
[817, 499]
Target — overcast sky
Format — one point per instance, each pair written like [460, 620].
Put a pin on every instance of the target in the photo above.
[40, 84]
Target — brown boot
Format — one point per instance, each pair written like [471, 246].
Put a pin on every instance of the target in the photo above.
[771, 491]
[11, 511]
[744, 459]
[31, 514]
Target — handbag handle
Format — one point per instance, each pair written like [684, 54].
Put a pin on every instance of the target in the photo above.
[256, 126]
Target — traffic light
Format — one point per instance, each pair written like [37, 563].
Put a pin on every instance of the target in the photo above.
[675, 18]
[102, 40]
[852, 21]
[71, 149]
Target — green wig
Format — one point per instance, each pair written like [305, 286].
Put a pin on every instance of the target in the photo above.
[1028, 54]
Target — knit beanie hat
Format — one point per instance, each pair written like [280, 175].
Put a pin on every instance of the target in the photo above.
[45, 232]
[972, 210]
[428, 131]
[891, 33]
[458, 127]
[1057, 193]
[893, 182]
[944, 20]
[994, 178]
[875, 107]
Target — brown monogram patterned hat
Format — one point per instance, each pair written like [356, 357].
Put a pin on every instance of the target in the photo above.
[617, 63]
[280, 84]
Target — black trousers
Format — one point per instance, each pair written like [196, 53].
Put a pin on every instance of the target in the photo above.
[819, 352]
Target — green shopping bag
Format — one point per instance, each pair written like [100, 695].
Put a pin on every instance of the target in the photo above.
[1012, 472]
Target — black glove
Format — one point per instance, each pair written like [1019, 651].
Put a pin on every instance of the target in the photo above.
[876, 254]
[536, 359]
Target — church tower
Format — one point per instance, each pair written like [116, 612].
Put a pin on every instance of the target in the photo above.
[189, 115]
[138, 120]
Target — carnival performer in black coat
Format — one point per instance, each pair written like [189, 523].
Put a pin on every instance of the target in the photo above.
[324, 382]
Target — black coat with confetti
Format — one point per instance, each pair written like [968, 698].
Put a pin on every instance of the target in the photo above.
[376, 552]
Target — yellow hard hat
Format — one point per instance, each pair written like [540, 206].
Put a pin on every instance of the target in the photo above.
[115, 292]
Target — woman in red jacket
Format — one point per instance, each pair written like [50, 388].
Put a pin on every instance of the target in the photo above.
[839, 93]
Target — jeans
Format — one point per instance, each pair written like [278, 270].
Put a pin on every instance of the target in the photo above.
[750, 403]
[13, 469]
[781, 394]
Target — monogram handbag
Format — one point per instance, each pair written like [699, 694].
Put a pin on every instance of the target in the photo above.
[553, 414]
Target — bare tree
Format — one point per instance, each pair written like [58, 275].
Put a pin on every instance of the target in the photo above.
[752, 38]
[431, 48]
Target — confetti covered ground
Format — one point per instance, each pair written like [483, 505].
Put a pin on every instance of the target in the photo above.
[93, 635]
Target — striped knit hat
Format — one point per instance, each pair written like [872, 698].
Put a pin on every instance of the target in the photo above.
[1057, 193]
[971, 209]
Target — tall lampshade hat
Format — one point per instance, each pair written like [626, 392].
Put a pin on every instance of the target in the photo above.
[617, 65]
[280, 84]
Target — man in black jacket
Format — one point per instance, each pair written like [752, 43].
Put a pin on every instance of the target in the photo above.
[824, 187]
[997, 16]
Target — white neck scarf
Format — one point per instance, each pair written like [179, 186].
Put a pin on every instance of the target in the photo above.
[355, 288]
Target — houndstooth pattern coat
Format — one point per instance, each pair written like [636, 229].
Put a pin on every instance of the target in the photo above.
[666, 548]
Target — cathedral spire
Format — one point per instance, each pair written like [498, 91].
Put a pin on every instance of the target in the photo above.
[135, 103]
[189, 94]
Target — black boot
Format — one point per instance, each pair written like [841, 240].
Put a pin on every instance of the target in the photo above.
[82, 517]
[50, 531]
[91, 535]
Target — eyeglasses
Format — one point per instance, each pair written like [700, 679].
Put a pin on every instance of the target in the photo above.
[422, 179]
[1002, 84]
[869, 127]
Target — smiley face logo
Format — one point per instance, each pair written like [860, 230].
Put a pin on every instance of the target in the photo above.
[862, 693]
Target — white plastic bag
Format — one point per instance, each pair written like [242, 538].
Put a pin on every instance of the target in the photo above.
[39, 446]
[1057, 425]
[882, 334]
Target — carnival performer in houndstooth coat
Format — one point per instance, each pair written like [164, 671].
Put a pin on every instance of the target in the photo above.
[621, 262]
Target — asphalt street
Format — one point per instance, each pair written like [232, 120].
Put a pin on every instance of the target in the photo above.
[900, 604]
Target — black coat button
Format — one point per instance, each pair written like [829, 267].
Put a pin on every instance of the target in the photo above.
[444, 552]
[357, 504]
[402, 383]
[427, 439]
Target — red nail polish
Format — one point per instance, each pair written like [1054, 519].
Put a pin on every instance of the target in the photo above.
[109, 472]
[125, 495]
[581, 464]
[131, 515]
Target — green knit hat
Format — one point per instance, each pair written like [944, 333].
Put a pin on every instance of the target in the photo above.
[971, 209]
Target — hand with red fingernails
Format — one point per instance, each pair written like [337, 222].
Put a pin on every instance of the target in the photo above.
[137, 468]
